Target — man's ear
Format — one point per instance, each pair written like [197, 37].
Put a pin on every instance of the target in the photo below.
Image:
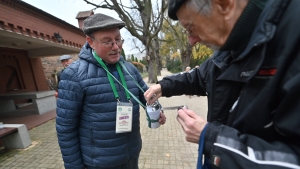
[90, 41]
[226, 8]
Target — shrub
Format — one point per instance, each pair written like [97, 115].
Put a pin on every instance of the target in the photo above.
[139, 66]
[174, 66]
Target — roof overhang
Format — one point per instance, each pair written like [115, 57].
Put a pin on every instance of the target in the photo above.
[36, 47]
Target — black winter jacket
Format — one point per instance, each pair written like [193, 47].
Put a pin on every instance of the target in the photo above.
[254, 99]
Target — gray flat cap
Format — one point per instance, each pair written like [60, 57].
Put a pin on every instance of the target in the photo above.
[173, 6]
[64, 57]
[100, 21]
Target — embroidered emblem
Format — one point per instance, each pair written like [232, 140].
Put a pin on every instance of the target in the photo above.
[246, 73]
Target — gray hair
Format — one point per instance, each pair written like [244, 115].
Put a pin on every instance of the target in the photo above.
[196, 5]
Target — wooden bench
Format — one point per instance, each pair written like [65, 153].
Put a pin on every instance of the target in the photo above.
[7, 131]
[14, 136]
[43, 101]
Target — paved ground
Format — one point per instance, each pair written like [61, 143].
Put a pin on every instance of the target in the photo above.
[163, 148]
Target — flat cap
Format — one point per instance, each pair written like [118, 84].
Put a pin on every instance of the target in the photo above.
[100, 21]
[173, 6]
[64, 57]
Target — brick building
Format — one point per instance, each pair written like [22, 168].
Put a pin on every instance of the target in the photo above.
[52, 64]
[31, 42]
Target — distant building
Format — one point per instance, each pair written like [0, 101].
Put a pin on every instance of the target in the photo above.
[81, 16]
[52, 64]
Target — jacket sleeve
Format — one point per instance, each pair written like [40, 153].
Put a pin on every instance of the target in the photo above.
[191, 83]
[226, 146]
[69, 105]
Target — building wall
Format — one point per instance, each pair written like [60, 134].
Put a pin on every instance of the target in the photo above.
[18, 73]
[32, 73]
[22, 65]
[52, 65]
[39, 76]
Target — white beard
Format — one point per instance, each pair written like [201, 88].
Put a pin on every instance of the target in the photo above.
[212, 46]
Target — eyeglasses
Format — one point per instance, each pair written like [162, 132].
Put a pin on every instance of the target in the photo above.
[110, 44]
[187, 31]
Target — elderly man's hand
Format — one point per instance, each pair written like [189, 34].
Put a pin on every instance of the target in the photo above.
[191, 123]
[153, 93]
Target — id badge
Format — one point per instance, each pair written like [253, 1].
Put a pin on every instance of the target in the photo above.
[124, 117]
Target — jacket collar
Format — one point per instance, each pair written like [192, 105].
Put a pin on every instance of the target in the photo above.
[246, 65]
[241, 32]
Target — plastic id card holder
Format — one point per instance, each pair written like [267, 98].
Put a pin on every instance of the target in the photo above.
[124, 117]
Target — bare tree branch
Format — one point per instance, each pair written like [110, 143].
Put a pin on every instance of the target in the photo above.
[98, 6]
[143, 22]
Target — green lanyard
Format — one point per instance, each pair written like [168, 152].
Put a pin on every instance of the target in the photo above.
[148, 117]
[111, 81]
[136, 83]
[110, 78]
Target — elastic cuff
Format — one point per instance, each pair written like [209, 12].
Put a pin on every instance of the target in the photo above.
[210, 136]
[163, 85]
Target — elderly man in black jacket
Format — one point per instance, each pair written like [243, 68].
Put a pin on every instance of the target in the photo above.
[251, 82]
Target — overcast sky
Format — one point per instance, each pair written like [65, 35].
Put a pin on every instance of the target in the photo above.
[67, 10]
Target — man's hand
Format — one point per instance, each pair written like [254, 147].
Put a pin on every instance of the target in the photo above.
[191, 123]
[162, 118]
[153, 93]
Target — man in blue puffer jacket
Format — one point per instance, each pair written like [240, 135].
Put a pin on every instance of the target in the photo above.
[97, 120]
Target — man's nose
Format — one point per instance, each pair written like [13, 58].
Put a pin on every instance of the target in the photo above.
[115, 46]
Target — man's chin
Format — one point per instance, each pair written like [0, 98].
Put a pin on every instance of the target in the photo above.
[213, 47]
[114, 60]
[194, 40]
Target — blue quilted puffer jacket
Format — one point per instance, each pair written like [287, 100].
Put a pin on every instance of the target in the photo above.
[86, 115]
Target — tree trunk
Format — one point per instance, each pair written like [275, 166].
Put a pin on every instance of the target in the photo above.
[157, 56]
[186, 57]
[152, 68]
[159, 65]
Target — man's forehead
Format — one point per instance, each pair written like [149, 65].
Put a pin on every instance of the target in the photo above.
[108, 33]
[110, 37]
